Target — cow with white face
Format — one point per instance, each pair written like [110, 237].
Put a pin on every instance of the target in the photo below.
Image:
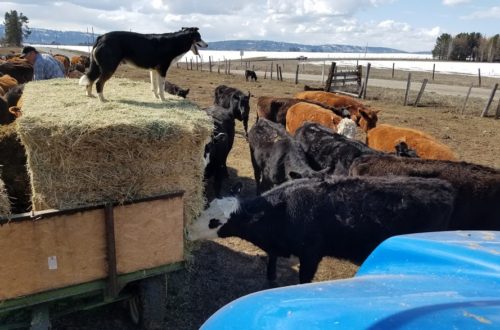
[344, 217]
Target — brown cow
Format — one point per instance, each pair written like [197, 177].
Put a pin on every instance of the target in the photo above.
[301, 112]
[18, 69]
[274, 109]
[6, 83]
[64, 60]
[356, 108]
[384, 137]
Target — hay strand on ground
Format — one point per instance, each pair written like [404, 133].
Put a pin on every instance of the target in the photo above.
[4, 200]
[81, 151]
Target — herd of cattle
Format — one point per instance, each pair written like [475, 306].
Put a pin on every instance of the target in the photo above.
[321, 192]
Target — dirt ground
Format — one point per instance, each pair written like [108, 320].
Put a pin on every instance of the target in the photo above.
[222, 270]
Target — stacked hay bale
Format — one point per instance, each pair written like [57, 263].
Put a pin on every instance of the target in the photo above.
[81, 151]
[4, 200]
[13, 169]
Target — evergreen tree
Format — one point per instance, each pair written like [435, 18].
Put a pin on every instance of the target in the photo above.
[16, 28]
[442, 46]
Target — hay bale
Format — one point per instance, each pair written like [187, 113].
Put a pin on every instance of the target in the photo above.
[81, 151]
[4, 200]
[14, 173]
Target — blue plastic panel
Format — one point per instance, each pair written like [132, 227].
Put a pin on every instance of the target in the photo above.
[431, 281]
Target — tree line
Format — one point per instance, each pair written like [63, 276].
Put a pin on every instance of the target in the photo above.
[16, 28]
[467, 47]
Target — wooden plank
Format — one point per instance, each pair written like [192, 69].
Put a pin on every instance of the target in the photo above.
[365, 86]
[408, 83]
[490, 100]
[66, 249]
[467, 97]
[328, 83]
[421, 92]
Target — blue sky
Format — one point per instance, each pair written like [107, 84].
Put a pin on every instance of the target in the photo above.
[402, 24]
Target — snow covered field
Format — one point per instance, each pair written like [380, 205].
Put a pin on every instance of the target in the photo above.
[402, 61]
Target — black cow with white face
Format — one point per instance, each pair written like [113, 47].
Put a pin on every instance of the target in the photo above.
[343, 217]
[234, 99]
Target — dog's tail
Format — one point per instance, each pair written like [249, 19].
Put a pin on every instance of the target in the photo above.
[84, 81]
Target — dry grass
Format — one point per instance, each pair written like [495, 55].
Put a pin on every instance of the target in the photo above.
[4, 200]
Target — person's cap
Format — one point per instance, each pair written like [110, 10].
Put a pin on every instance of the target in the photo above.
[26, 50]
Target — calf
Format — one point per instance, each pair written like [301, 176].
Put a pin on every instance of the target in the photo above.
[478, 187]
[6, 83]
[329, 151]
[234, 99]
[250, 74]
[276, 156]
[364, 117]
[220, 146]
[302, 112]
[64, 62]
[274, 109]
[18, 69]
[149, 51]
[343, 217]
[173, 89]
[384, 137]
[9, 111]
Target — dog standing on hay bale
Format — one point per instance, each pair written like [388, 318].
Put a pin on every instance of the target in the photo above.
[149, 51]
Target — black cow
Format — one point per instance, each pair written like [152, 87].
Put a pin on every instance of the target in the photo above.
[234, 99]
[249, 74]
[327, 150]
[477, 204]
[276, 156]
[402, 150]
[174, 89]
[344, 217]
[219, 147]
[149, 51]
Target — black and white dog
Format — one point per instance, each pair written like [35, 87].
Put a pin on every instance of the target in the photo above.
[149, 51]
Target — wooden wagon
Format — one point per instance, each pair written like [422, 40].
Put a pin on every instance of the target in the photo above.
[60, 261]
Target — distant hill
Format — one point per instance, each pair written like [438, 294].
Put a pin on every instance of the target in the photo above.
[48, 37]
[275, 46]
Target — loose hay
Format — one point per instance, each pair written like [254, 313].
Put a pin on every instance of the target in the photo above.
[4, 200]
[81, 151]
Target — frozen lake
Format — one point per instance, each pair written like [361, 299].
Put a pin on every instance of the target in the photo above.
[402, 61]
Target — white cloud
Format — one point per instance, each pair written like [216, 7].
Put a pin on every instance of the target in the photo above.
[454, 2]
[493, 12]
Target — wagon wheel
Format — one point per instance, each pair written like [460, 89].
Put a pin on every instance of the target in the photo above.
[148, 307]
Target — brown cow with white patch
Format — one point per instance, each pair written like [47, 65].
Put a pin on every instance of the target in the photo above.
[366, 121]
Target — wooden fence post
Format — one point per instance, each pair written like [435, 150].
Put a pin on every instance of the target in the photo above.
[467, 98]
[271, 74]
[497, 115]
[393, 69]
[424, 83]
[281, 73]
[323, 73]
[229, 67]
[297, 75]
[187, 67]
[479, 76]
[492, 95]
[433, 70]
[191, 64]
[366, 79]
[407, 89]
[210, 63]
[328, 84]
[277, 72]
